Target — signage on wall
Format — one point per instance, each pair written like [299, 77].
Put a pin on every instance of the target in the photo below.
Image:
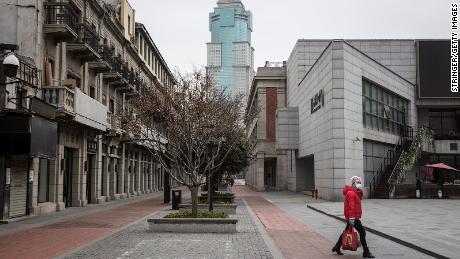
[31, 176]
[317, 101]
[8, 176]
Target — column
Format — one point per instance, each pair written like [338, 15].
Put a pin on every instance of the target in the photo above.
[138, 173]
[56, 179]
[259, 183]
[99, 174]
[121, 172]
[35, 166]
[151, 166]
[141, 174]
[105, 175]
[79, 176]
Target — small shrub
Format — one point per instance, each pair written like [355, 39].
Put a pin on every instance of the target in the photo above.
[201, 214]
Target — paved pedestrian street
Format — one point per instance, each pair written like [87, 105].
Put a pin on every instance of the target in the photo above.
[137, 242]
[430, 224]
[271, 225]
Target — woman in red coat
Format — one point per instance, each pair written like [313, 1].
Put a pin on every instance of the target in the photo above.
[353, 211]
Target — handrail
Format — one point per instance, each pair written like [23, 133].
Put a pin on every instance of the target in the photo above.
[391, 182]
[389, 157]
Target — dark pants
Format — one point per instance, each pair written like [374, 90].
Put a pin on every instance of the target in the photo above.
[362, 233]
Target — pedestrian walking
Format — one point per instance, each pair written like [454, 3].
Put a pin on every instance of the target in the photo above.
[353, 212]
[232, 180]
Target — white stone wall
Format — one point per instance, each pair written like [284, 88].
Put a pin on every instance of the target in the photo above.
[334, 134]
[316, 134]
[397, 55]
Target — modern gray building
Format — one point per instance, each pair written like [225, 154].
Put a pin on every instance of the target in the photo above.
[352, 103]
[230, 53]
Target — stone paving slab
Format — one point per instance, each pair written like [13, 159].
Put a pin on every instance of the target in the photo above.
[430, 224]
[59, 237]
[137, 242]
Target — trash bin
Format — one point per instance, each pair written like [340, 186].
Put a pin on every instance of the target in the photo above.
[176, 199]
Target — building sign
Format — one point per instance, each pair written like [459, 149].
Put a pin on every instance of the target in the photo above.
[8, 176]
[317, 101]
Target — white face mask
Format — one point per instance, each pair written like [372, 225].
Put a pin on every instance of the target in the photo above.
[358, 185]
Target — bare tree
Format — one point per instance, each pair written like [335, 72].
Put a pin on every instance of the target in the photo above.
[185, 127]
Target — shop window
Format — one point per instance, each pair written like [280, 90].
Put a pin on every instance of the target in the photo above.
[43, 180]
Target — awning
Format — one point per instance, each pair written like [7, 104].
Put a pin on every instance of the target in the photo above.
[28, 135]
[442, 166]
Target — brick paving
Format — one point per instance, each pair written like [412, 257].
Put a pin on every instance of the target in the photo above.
[57, 238]
[293, 238]
[137, 242]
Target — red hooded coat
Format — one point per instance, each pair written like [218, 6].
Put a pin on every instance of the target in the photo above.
[352, 203]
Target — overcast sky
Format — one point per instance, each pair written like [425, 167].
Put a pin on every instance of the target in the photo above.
[180, 27]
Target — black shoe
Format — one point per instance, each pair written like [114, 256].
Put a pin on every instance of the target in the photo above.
[336, 249]
[367, 253]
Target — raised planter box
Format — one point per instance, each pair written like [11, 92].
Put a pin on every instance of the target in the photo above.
[225, 208]
[191, 225]
[222, 198]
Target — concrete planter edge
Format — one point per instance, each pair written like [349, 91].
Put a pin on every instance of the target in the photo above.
[193, 225]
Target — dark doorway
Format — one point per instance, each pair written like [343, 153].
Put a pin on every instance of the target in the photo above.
[305, 175]
[270, 173]
[68, 169]
[89, 177]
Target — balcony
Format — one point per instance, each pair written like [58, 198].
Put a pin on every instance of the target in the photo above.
[115, 75]
[101, 65]
[61, 20]
[134, 84]
[87, 44]
[27, 72]
[113, 125]
[89, 111]
[63, 98]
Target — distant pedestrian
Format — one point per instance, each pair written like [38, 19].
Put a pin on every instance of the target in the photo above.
[232, 181]
[353, 211]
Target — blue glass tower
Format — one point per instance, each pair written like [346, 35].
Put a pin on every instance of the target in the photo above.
[230, 54]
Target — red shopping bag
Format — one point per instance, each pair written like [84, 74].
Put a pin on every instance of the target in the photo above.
[350, 239]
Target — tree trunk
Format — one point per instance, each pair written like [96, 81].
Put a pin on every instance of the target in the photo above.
[194, 193]
[210, 193]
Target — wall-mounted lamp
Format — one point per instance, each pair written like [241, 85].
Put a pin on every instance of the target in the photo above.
[356, 140]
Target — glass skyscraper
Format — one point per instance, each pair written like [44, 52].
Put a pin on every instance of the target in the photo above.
[230, 54]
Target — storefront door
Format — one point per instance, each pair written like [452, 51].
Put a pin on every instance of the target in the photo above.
[89, 177]
[18, 193]
[68, 169]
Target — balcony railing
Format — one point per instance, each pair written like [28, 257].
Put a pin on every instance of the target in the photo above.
[61, 13]
[88, 36]
[105, 52]
[28, 73]
[112, 122]
[86, 45]
[61, 97]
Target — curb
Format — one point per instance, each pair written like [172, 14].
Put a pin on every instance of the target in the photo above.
[392, 238]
